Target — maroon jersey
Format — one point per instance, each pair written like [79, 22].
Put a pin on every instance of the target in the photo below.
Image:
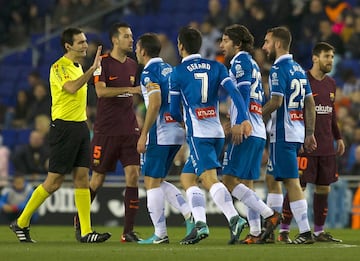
[326, 128]
[115, 116]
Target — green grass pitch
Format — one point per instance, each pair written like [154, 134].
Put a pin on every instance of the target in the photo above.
[58, 243]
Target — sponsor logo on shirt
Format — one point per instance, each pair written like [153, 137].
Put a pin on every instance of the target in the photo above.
[168, 118]
[207, 112]
[296, 115]
[111, 78]
[255, 108]
[321, 109]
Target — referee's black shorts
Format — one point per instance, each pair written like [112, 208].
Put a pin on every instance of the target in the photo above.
[69, 146]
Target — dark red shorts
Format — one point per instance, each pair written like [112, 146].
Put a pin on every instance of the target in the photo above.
[107, 150]
[318, 170]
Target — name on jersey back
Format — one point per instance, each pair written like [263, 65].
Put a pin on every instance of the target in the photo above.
[197, 66]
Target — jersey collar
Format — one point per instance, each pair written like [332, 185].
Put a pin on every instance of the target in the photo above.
[190, 57]
[283, 57]
[236, 56]
[153, 60]
[67, 60]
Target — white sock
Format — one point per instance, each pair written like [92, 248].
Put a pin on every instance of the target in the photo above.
[156, 208]
[254, 222]
[275, 201]
[196, 199]
[251, 200]
[223, 200]
[299, 210]
[175, 198]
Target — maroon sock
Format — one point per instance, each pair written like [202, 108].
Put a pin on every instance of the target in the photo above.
[320, 206]
[131, 208]
[287, 214]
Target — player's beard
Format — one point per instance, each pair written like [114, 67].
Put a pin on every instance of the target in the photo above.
[272, 55]
[325, 68]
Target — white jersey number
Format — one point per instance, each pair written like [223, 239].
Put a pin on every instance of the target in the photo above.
[256, 93]
[297, 85]
[204, 85]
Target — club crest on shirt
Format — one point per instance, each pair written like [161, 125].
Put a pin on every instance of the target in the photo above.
[132, 79]
[274, 79]
[332, 96]
[239, 71]
[146, 80]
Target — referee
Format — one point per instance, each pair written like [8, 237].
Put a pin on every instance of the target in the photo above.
[69, 137]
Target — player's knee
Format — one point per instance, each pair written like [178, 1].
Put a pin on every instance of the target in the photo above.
[51, 187]
[322, 189]
[131, 180]
[228, 182]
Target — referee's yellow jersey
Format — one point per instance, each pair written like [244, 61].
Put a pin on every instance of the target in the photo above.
[67, 106]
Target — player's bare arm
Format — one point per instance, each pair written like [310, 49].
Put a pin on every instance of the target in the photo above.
[310, 117]
[103, 91]
[74, 85]
[340, 147]
[151, 114]
[272, 105]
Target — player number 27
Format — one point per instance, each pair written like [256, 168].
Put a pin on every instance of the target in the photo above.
[297, 85]
[204, 85]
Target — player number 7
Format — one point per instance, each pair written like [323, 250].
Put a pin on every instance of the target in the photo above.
[204, 85]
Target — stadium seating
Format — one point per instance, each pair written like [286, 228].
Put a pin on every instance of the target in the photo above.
[8, 93]
[9, 138]
[15, 137]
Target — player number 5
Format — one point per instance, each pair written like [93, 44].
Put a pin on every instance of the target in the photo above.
[97, 152]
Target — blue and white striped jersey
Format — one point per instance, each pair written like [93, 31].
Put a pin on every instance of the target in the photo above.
[155, 78]
[246, 75]
[196, 82]
[289, 80]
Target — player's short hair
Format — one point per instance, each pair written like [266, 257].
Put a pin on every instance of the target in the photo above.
[114, 29]
[283, 34]
[322, 46]
[240, 35]
[67, 36]
[150, 43]
[191, 39]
